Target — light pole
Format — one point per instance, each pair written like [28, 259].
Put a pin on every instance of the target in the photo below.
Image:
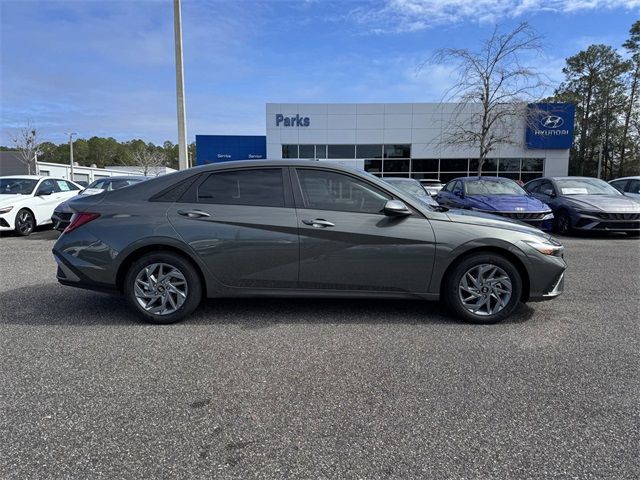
[182, 114]
[71, 134]
[600, 159]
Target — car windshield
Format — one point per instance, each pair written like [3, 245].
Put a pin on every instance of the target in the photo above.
[585, 186]
[17, 186]
[431, 183]
[493, 187]
[407, 186]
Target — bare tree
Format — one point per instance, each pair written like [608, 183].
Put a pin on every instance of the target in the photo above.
[149, 159]
[492, 90]
[27, 143]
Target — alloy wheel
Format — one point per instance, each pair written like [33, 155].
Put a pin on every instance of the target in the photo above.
[25, 222]
[485, 289]
[160, 288]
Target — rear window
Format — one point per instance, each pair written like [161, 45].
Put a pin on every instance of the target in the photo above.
[259, 187]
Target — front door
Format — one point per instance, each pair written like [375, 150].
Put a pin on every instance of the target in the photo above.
[347, 243]
[243, 225]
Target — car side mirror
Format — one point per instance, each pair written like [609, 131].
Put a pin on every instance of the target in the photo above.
[549, 192]
[44, 191]
[396, 208]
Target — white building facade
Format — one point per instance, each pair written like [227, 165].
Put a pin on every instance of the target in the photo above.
[408, 140]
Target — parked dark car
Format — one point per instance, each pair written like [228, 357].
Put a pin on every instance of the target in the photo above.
[588, 204]
[412, 187]
[62, 214]
[298, 229]
[497, 196]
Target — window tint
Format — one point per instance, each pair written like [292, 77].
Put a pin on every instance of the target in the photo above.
[533, 186]
[244, 187]
[457, 187]
[368, 151]
[335, 191]
[48, 185]
[449, 186]
[374, 166]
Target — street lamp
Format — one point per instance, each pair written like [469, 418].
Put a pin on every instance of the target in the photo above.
[71, 134]
[182, 115]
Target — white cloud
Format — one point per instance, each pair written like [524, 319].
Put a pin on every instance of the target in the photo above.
[414, 15]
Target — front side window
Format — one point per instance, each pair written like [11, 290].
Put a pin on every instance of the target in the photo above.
[48, 185]
[335, 191]
[259, 187]
[633, 186]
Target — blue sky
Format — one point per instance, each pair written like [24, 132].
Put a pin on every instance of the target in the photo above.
[107, 67]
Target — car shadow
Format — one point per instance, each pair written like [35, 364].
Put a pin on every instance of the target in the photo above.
[40, 233]
[53, 304]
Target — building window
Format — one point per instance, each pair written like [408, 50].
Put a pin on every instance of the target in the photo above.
[306, 151]
[454, 164]
[509, 164]
[397, 151]
[342, 151]
[395, 166]
[368, 151]
[532, 164]
[289, 151]
[424, 165]
[321, 151]
[490, 166]
[373, 166]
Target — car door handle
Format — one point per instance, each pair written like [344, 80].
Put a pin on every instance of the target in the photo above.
[318, 223]
[193, 213]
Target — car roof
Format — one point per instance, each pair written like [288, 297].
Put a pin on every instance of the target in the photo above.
[124, 177]
[633, 177]
[399, 179]
[29, 177]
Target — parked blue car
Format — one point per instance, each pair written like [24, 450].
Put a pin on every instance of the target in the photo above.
[497, 196]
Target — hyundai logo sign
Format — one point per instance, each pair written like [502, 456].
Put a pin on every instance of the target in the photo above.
[550, 125]
[552, 121]
[296, 121]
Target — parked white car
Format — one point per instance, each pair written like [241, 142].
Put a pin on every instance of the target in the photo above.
[628, 185]
[27, 201]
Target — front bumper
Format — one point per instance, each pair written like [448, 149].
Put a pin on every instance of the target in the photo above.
[606, 221]
[4, 224]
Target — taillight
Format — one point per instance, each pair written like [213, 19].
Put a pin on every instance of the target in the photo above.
[79, 219]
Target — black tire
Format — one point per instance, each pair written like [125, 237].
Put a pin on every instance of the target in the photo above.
[180, 263]
[25, 222]
[452, 285]
[562, 223]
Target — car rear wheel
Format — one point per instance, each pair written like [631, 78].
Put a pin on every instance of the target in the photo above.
[25, 223]
[163, 287]
[562, 223]
[483, 288]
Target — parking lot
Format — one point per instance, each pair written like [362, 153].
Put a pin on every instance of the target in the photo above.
[320, 388]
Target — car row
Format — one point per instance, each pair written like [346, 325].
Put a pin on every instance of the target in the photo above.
[28, 201]
[563, 204]
[299, 229]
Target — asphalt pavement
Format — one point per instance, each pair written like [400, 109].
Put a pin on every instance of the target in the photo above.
[320, 388]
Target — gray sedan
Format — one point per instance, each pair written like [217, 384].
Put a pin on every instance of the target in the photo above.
[298, 229]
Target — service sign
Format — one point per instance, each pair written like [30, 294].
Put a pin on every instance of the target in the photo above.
[550, 125]
[224, 148]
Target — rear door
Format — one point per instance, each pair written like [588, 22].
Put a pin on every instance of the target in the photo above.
[347, 243]
[242, 223]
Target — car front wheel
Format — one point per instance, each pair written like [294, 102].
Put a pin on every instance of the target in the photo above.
[562, 223]
[483, 288]
[163, 287]
[25, 223]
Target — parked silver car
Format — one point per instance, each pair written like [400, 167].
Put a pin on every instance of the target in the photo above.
[298, 229]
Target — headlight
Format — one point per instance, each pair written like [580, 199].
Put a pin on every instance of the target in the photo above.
[548, 216]
[5, 210]
[546, 247]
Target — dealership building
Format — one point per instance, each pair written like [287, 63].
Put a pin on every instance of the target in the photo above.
[404, 139]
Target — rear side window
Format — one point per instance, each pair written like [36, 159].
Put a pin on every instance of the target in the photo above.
[633, 186]
[259, 187]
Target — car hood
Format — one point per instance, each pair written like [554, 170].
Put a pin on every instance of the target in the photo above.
[12, 199]
[459, 215]
[604, 203]
[507, 203]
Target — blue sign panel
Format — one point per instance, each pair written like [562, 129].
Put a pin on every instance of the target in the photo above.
[223, 148]
[550, 125]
